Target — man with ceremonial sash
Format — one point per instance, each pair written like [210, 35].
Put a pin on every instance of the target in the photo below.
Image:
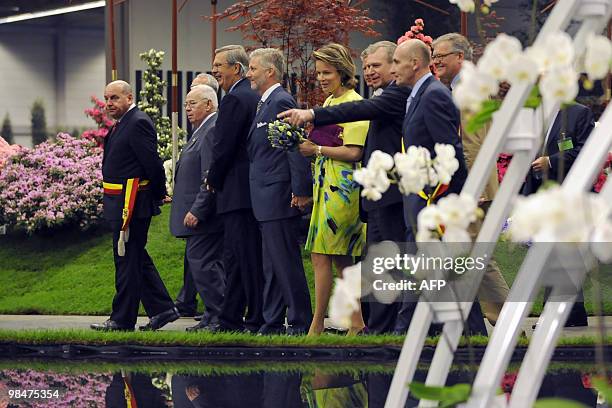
[134, 185]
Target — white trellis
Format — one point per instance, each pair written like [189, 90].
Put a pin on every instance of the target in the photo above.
[592, 15]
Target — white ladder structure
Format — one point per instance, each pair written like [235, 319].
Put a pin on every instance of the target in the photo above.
[592, 15]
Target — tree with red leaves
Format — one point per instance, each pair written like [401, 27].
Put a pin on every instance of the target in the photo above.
[298, 27]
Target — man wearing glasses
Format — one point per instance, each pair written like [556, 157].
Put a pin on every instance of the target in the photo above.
[193, 214]
[229, 177]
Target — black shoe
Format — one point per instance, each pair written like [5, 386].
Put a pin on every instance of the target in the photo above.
[160, 320]
[197, 318]
[110, 325]
[202, 326]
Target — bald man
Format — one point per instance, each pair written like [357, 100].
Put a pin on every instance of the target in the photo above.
[431, 117]
[134, 185]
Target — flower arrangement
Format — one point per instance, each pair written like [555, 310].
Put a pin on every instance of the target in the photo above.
[448, 220]
[550, 62]
[469, 6]
[416, 31]
[544, 217]
[412, 171]
[284, 136]
[104, 122]
[52, 185]
[6, 151]
[152, 102]
[169, 176]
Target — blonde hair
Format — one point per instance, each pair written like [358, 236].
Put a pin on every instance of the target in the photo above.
[339, 57]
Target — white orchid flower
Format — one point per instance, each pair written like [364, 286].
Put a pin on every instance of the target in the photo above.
[597, 57]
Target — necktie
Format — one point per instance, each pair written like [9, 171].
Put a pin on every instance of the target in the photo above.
[259, 104]
[408, 102]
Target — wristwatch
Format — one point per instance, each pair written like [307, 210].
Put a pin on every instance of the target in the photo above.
[319, 152]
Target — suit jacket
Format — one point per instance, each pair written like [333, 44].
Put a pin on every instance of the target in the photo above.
[578, 127]
[130, 151]
[275, 173]
[229, 171]
[472, 142]
[433, 118]
[190, 194]
[386, 113]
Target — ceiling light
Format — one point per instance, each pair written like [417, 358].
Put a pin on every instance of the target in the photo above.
[53, 12]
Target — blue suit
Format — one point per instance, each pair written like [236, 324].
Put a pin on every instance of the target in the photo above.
[275, 175]
[432, 117]
[204, 247]
[229, 176]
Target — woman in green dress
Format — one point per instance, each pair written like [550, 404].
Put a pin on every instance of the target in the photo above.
[336, 234]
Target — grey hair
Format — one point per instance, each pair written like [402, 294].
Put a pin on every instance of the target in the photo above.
[458, 43]
[388, 46]
[207, 79]
[236, 55]
[271, 58]
[207, 92]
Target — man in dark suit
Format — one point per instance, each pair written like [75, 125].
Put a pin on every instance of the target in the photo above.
[281, 186]
[193, 214]
[134, 185]
[229, 176]
[564, 140]
[431, 117]
[386, 112]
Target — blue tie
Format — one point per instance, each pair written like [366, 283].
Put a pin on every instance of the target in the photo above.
[408, 102]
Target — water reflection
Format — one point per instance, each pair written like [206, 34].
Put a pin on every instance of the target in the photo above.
[219, 386]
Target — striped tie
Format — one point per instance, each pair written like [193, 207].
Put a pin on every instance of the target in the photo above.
[259, 105]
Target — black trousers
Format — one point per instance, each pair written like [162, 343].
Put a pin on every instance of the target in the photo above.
[136, 278]
[243, 271]
[187, 300]
[386, 224]
[286, 289]
[203, 255]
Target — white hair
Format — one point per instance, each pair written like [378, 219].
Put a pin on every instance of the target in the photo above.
[206, 92]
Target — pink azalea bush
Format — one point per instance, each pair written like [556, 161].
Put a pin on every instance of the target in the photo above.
[104, 122]
[52, 185]
[6, 151]
[75, 390]
[416, 31]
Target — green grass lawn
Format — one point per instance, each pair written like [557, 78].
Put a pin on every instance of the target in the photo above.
[73, 273]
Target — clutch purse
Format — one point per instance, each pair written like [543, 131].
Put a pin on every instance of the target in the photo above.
[329, 135]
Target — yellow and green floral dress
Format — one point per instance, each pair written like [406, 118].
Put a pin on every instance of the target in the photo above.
[335, 227]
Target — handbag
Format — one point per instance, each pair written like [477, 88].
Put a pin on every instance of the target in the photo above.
[329, 135]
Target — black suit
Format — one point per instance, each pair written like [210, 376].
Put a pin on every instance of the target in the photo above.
[384, 217]
[579, 123]
[229, 176]
[130, 151]
[204, 247]
[274, 176]
[432, 117]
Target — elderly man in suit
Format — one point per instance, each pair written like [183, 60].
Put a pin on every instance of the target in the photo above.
[193, 214]
[431, 117]
[281, 186]
[449, 52]
[186, 300]
[134, 186]
[386, 112]
[564, 140]
[229, 176]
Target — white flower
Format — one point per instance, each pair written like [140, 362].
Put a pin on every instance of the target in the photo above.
[466, 98]
[455, 234]
[504, 47]
[490, 2]
[352, 276]
[560, 47]
[559, 85]
[371, 194]
[445, 163]
[540, 56]
[380, 161]
[493, 66]
[375, 182]
[597, 57]
[169, 176]
[457, 210]
[426, 235]
[467, 6]
[343, 304]
[601, 241]
[523, 70]
[429, 218]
